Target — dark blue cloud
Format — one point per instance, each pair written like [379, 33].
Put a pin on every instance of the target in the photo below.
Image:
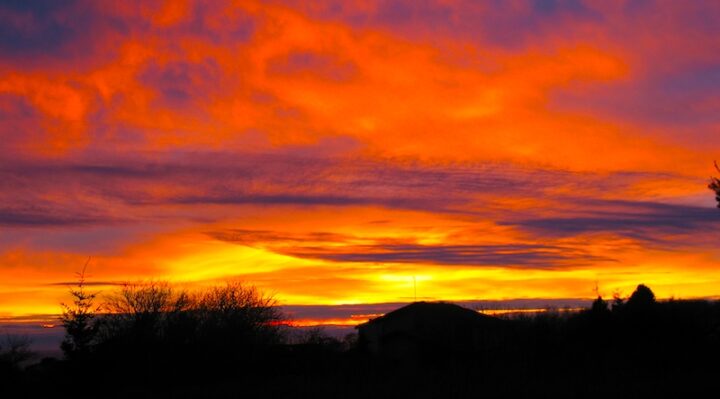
[211, 21]
[252, 237]
[19, 124]
[414, 12]
[65, 31]
[649, 221]
[100, 235]
[281, 199]
[685, 97]
[325, 66]
[182, 83]
[395, 251]
[32, 27]
[507, 255]
[575, 8]
[500, 23]
[286, 177]
[71, 32]
[44, 217]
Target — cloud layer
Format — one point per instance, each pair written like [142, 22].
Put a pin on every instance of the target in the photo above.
[331, 152]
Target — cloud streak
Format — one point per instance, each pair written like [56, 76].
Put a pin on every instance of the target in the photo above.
[343, 248]
[515, 255]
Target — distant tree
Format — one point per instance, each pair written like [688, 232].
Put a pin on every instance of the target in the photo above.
[313, 336]
[14, 350]
[141, 309]
[599, 306]
[350, 341]
[249, 316]
[715, 185]
[618, 301]
[78, 319]
[641, 298]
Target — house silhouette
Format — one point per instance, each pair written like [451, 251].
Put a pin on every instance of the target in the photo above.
[428, 329]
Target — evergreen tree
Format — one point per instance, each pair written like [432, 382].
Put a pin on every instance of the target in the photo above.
[78, 320]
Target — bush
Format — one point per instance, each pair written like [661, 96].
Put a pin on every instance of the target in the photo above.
[153, 328]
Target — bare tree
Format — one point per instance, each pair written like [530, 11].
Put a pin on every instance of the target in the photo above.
[243, 314]
[141, 301]
[715, 185]
[142, 310]
[238, 302]
[78, 319]
[153, 328]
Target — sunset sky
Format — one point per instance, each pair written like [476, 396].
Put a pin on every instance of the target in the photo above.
[346, 152]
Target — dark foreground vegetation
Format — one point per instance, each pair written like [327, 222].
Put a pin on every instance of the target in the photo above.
[149, 341]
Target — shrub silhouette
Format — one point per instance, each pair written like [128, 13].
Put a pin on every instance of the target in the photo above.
[140, 312]
[14, 354]
[599, 306]
[153, 328]
[641, 298]
[14, 350]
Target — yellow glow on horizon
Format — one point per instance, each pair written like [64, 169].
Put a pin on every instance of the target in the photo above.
[195, 260]
[213, 260]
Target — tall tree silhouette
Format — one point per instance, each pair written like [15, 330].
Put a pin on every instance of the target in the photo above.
[77, 318]
[715, 185]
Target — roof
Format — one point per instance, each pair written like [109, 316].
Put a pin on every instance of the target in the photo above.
[436, 311]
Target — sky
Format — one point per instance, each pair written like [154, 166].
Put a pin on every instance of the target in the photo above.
[359, 152]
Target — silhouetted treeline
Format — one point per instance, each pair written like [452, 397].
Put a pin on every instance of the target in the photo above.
[227, 342]
[158, 332]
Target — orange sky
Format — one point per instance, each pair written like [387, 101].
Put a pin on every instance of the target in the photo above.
[347, 152]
